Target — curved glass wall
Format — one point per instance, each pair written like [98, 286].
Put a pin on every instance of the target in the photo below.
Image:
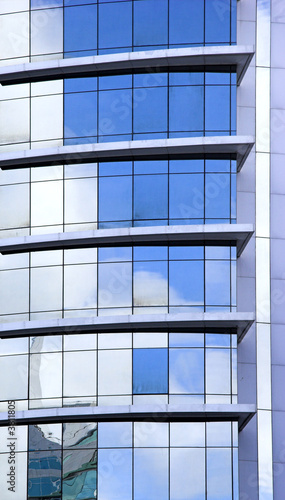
[117, 194]
[119, 280]
[128, 461]
[119, 368]
[54, 27]
[119, 108]
[149, 106]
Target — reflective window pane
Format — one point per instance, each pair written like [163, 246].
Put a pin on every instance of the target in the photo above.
[114, 372]
[184, 434]
[115, 284]
[150, 22]
[186, 196]
[79, 471]
[151, 474]
[76, 38]
[115, 198]
[187, 476]
[80, 115]
[115, 25]
[14, 377]
[115, 474]
[186, 371]
[151, 434]
[186, 283]
[79, 378]
[150, 110]
[186, 109]
[114, 434]
[150, 197]
[219, 474]
[186, 19]
[217, 283]
[217, 22]
[46, 31]
[80, 286]
[115, 112]
[80, 200]
[150, 283]
[218, 371]
[44, 474]
[45, 375]
[150, 371]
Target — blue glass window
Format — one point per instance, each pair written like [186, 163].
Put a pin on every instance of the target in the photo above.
[115, 25]
[150, 197]
[115, 198]
[186, 196]
[150, 22]
[150, 110]
[186, 283]
[80, 28]
[186, 22]
[217, 283]
[217, 196]
[186, 109]
[115, 112]
[150, 371]
[80, 115]
[217, 21]
[217, 108]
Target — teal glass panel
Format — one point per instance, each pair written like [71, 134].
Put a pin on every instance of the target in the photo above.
[79, 474]
[44, 475]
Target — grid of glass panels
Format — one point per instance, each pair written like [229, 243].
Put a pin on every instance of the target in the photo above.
[54, 27]
[127, 461]
[117, 108]
[149, 106]
[122, 280]
[119, 368]
[118, 194]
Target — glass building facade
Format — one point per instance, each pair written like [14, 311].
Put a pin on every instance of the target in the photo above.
[140, 295]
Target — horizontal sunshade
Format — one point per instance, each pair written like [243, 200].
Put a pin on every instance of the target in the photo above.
[218, 234]
[220, 322]
[131, 62]
[182, 413]
[228, 147]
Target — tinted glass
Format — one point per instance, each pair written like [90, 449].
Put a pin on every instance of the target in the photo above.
[150, 371]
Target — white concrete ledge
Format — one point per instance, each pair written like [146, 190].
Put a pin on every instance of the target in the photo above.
[208, 234]
[229, 147]
[240, 413]
[220, 322]
[151, 61]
